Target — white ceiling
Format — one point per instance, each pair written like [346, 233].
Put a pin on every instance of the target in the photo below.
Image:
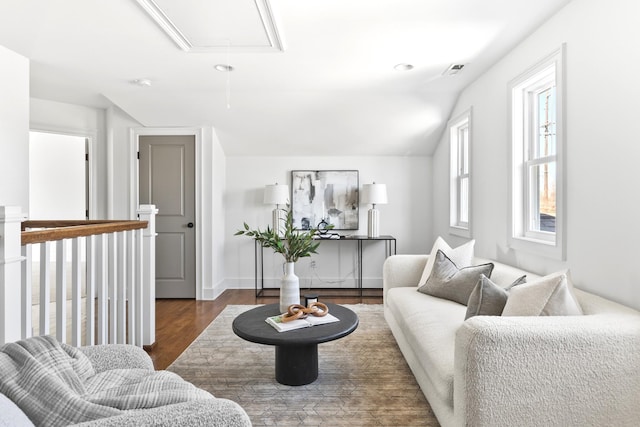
[316, 80]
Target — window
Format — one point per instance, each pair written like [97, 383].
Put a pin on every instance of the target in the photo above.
[460, 184]
[537, 161]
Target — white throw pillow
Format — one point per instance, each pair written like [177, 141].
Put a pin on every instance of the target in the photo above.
[551, 295]
[462, 256]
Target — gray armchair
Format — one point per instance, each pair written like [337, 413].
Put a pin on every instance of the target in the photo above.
[209, 411]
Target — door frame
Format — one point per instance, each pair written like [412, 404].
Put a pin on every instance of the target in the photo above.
[90, 137]
[134, 201]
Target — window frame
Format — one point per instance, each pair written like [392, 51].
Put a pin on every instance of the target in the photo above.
[460, 170]
[522, 93]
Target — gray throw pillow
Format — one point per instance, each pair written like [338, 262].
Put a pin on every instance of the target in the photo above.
[489, 299]
[450, 282]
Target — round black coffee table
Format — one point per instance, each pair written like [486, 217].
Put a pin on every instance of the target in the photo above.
[297, 350]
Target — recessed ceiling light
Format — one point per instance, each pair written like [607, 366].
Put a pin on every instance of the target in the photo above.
[223, 68]
[142, 82]
[403, 67]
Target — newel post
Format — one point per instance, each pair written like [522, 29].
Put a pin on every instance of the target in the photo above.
[148, 213]
[10, 272]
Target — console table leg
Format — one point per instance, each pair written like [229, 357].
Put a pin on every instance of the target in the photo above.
[296, 365]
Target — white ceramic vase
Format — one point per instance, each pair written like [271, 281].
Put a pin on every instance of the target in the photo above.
[289, 288]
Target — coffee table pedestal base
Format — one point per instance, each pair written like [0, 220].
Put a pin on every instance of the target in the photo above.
[296, 365]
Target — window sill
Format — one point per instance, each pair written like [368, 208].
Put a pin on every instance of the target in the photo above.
[544, 248]
[460, 231]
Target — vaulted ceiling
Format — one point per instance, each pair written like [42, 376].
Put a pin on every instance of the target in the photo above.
[310, 77]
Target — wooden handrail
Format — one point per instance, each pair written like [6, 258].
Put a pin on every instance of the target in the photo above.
[69, 229]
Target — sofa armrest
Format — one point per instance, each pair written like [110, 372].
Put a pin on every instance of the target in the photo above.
[117, 356]
[553, 371]
[402, 270]
[204, 412]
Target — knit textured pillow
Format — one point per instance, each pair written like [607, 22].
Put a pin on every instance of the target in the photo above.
[489, 299]
[450, 282]
[551, 295]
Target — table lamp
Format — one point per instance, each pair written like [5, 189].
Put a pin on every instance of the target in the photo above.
[374, 194]
[277, 195]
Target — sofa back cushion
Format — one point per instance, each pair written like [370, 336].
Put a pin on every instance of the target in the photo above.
[504, 275]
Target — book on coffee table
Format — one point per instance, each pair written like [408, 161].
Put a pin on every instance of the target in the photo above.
[303, 322]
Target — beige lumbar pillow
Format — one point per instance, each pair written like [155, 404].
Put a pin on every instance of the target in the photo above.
[450, 282]
[462, 256]
[551, 295]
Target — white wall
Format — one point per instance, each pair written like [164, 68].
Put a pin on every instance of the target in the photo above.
[407, 216]
[603, 207]
[14, 129]
[218, 221]
[119, 153]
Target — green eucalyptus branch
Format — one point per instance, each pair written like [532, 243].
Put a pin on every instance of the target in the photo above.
[294, 244]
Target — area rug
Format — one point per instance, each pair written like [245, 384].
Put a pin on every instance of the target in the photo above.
[363, 379]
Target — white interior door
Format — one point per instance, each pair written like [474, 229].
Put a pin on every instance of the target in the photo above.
[57, 176]
[167, 180]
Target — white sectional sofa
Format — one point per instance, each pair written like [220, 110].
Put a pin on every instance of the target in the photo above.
[515, 371]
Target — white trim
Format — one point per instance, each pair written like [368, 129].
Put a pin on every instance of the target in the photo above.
[553, 248]
[135, 133]
[264, 8]
[455, 226]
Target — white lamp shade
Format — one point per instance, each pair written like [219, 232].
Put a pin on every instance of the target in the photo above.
[375, 194]
[276, 194]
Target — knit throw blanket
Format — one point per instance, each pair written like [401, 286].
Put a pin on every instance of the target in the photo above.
[56, 385]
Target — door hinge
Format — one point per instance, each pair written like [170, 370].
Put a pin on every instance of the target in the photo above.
[86, 157]
[138, 155]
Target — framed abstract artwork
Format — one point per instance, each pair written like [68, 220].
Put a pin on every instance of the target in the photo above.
[329, 195]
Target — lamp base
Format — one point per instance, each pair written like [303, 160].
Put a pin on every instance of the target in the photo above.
[277, 217]
[373, 229]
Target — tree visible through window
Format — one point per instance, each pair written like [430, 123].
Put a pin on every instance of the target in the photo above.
[543, 163]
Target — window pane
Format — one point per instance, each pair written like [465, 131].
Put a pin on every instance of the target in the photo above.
[546, 122]
[542, 202]
[464, 150]
[464, 200]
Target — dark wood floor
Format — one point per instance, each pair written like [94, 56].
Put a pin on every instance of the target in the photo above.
[180, 321]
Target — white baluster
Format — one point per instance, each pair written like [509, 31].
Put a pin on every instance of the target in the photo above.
[111, 280]
[131, 286]
[27, 293]
[121, 287]
[45, 289]
[76, 292]
[101, 288]
[61, 291]
[90, 311]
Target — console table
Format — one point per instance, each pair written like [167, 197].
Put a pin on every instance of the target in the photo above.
[389, 244]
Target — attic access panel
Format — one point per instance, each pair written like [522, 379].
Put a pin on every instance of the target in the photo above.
[197, 26]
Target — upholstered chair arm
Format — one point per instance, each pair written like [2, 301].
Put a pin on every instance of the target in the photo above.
[402, 270]
[117, 356]
[206, 412]
[567, 370]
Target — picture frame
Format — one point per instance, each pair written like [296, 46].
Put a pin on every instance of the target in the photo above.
[325, 195]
